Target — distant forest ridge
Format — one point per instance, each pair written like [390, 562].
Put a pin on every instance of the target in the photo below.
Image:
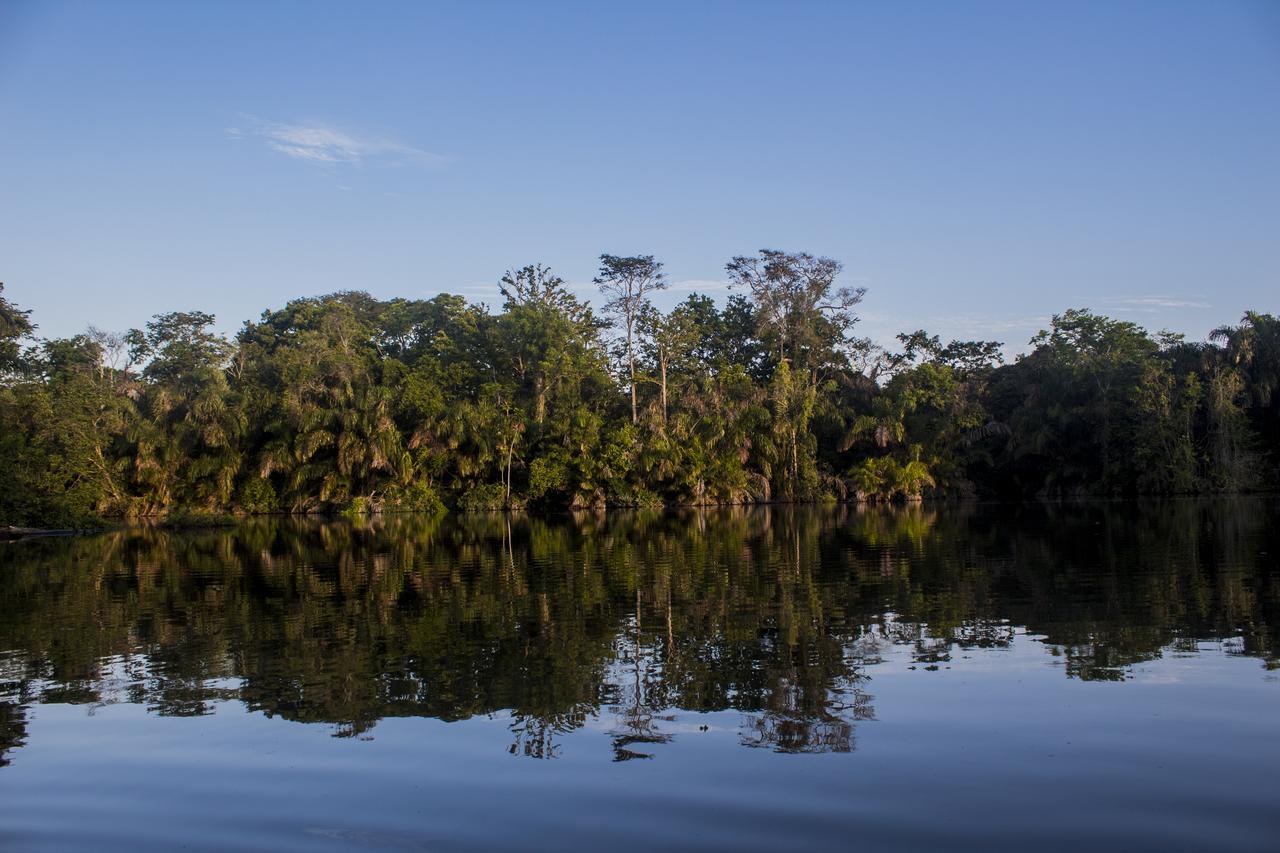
[350, 403]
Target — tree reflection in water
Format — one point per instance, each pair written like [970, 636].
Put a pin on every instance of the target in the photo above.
[778, 614]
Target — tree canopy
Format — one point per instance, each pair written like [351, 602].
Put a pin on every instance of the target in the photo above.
[347, 402]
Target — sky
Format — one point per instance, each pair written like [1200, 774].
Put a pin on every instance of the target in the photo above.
[976, 166]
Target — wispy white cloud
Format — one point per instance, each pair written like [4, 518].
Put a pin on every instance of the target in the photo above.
[1152, 303]
[323, 144]
[979, 325]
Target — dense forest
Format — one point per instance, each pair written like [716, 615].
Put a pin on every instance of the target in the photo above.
[350, 403]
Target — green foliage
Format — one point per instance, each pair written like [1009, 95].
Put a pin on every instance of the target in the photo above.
[256, 495]
[357, 508]
[15, 327]
[636, 497]
[483, 498]
[884, 478]
[415, 497]
[347, 403]
[549, 476]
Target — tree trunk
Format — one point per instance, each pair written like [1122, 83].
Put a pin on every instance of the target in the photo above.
[662, 361]
[631, 363]
[795, 463]
[507, 478]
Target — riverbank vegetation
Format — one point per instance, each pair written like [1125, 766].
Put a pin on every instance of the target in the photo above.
[350, 403]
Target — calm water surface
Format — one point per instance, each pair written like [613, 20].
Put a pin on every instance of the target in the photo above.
[990, 677]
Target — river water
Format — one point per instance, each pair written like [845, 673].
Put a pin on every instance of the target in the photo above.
[1047, 677]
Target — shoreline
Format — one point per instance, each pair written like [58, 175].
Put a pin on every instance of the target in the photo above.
[14, 533]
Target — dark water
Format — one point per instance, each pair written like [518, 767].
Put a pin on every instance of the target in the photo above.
[1101, 675]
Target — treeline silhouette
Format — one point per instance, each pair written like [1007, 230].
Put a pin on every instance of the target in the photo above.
[350, 403]
[780, 614]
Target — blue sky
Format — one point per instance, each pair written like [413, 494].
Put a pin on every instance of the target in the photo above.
[976, 166]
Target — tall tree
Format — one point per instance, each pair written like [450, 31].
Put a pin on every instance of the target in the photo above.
[807, 318]
[186, 449]
[627, 282]
[669, 339]
[799, 305]
[15, 326]
[543, 323]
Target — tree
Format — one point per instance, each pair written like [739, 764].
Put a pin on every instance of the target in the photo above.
[543, 324]
[350, 403]
[1253, 350]
[669, 338]
[187, 448]
[799, 305]
[14, 328]
[626, 284]
[1099, 362]
[808, 319]
[328, 429]
[179, 346]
